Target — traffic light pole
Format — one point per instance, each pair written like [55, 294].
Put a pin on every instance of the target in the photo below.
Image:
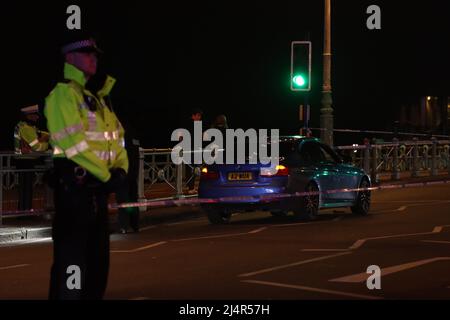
[304, 115]
[326, 112]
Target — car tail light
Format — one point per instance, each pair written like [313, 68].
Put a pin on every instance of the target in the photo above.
[208, 174]
[282, 171]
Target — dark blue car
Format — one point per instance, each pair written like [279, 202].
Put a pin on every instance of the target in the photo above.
[305, 164]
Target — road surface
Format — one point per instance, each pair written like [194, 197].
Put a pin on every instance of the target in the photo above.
[257, 256]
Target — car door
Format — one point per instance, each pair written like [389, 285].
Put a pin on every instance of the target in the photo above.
[314, 166]
[344, 175]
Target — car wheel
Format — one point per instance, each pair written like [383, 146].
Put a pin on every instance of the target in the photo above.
[218, 216]
[309, 205]
[362, 204]
[279, 214]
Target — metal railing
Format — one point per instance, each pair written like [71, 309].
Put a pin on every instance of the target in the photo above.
[159, 177]
[156, 167]
[42, 197]
[416, 157]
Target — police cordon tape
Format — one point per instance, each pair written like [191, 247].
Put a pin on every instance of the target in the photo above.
[269, 198]
[381, 132]
[263, 198]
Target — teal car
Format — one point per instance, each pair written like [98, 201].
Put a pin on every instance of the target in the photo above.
[305, 165]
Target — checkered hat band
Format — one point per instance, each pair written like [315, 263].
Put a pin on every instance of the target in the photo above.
[78, 45]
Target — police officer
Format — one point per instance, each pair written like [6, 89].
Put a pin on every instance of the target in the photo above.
[90, 161]
[28, 140]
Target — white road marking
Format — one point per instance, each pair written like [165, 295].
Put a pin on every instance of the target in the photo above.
[399, 209]
[257, 230]
[332, 292]
[293, 224]
[14, 267]
[222, 235]
[303, 223]
[325, 250]
[141, 248]
[188, 239]
[414, 204]
[294, 264]
[359, 243]
[432, 241]
[186, 222]
[147, 228]
[361, 277]
[179, 223]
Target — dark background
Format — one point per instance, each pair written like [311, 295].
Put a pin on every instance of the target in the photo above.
[232, 58]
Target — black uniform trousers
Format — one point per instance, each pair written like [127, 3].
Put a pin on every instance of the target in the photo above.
[80, 236]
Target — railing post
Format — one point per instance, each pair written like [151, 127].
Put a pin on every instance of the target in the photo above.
[447, 156]
[366, 160]
[425, 157]
[141, 179]
[415, 159]
[49, 201]
[395, 171]
[373, 173]
[179, 184]
[434, 170]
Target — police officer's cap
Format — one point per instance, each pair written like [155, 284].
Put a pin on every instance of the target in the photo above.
[30, 110]
[78, 41]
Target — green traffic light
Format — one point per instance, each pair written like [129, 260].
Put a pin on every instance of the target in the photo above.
[299, 80]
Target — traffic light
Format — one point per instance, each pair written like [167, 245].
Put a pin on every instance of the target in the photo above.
[301, 66]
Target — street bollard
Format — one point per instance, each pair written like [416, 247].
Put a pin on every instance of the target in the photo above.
[415, 159]
[373, 172]
[434, 170]
[367, 157]
[395, 171]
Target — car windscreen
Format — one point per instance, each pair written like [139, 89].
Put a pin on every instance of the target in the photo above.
[252, 152]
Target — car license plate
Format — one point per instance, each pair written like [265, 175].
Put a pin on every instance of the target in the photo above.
[240, 176]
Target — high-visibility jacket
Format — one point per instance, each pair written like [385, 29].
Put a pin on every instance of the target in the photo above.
[27, 139]
[83, 128]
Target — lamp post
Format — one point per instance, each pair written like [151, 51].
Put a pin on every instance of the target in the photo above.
[326, 112]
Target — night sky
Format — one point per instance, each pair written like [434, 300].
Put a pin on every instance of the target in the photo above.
[232, 58]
